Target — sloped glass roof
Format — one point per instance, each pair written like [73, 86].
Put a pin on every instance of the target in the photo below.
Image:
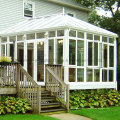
[54, 22]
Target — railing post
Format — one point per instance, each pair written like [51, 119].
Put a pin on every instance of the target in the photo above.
[39, 99]
[18, 80]
[67, 98]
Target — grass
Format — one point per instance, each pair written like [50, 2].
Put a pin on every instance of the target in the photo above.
[26, 117]
[110, 113]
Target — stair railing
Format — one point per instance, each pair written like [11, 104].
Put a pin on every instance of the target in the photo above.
[55, 84]
[28, 88]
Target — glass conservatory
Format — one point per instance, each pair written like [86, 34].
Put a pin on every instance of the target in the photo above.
[86, 52]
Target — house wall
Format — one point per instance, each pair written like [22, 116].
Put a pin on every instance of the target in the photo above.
[12, 12]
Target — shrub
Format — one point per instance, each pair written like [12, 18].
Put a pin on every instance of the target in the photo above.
[14, 105]
[94, 98]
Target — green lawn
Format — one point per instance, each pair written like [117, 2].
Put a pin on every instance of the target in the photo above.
[111, 113]
[25, 117]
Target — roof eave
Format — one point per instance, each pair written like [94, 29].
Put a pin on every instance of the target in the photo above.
[71, 5]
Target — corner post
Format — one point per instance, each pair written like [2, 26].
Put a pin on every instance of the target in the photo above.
[67, 98]
[39, 99]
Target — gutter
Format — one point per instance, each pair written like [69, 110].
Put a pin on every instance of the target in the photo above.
[70, 5]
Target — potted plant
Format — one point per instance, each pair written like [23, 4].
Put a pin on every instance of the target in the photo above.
[5, 60]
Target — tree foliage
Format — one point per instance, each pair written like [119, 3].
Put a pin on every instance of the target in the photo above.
[110, 23]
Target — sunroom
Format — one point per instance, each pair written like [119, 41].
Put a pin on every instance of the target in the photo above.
[87, 53]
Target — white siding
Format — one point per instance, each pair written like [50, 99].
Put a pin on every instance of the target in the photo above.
[12, 12]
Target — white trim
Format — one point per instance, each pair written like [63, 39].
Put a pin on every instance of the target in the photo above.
[0, 45]
[25, 53]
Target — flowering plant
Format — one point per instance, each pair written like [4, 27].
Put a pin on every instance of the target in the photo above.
[5, 59]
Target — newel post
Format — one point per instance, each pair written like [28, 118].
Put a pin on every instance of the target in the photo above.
[67, 98]
[18, 79]
[39, 99]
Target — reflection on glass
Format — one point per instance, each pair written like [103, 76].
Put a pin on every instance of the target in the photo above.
[96, 37]
[20, 53]
[104, 75]
[111, 54]
[104, 39]
[12, 51]
[90, 36]
[105, 55]
[51, 51]
[2, 50]
[80, 35]
[72, 74]
[52, 34]
[111, 40]
[80, 75]
[60, 33]
[59, 52]
[72, 52]
[12, 38]
[30, 58]
[30, 36]
[40, 62]
[89, 75]
[80, 53]
[90, 53]
[100, 54]
[41, 35]
[72, 33]
[111, 75]
[96, 75]
[96, 54]
[3, 39]
[19, 37]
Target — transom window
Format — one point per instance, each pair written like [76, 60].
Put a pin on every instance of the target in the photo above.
[28, 9]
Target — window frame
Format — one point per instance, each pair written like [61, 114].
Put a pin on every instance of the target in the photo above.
[33, 9]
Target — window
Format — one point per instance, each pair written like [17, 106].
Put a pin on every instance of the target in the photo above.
[71, 14]
[90, 53]
[72, 74]
[72, 52]
[96, 75]
[89, 75]
[105, 52]
[111, 56]
[51, 51]
[80, 75]
[28, 9]
[104, 75]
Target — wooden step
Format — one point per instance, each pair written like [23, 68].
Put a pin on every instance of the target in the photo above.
[53, 110]
[50, 106]
[49, 99]
[52, 103]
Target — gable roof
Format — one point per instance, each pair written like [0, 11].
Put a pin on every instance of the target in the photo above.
[54, 22]
[70, 3]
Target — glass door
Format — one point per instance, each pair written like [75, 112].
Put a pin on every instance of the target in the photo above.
[40, 62]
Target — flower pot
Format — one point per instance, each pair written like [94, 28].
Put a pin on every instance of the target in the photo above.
[4, 63]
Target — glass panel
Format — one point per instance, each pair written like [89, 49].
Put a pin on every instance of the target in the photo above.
[2, 50]
[96, 75]
[72, 33]
[41, 35]
[72, 75]
[60, 33]
[105, 55]
[30, 58]
[19, 37]
[96, 37]
[72, 52]
[89, 75]
[111, 75]
[51, 51]
[104, 39]
[100, 55]
[90, 36]
[80, 75]
[96, 54]
[30, 36]
[59, 52]
[111, 40]
[12, 38]
[40, 62]
[4, 39]
[20, 53]
[52, 34]
[80, 53]
[90, 53]
[104, 75]
[111, 52]
[80, 35]
[12, 51]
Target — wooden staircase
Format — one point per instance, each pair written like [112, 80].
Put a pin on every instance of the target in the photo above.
[52, 98]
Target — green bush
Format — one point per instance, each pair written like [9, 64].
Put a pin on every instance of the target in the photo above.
[14, 105]
[94, 98]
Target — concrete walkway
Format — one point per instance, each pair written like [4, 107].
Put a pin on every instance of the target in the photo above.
[68, 116]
